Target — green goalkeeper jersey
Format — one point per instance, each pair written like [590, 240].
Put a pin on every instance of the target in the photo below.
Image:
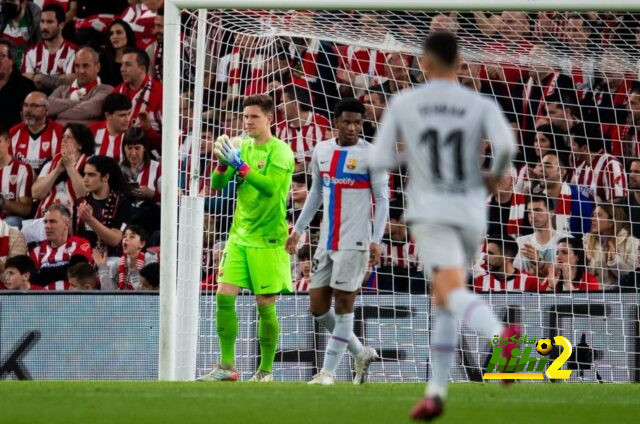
[260, 218]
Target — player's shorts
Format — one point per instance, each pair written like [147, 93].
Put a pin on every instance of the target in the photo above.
[260, 270]
[340, 269]
[445, 246]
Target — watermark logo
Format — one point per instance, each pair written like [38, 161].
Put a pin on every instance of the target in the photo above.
[524, 365]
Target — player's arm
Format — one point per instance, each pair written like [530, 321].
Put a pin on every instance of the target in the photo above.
[383, 154]
[221, 176]
[268, 183]
[380, 189]
[503, 144]
[314, 198]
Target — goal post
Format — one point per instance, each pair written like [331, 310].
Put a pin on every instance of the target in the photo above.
[198, 44]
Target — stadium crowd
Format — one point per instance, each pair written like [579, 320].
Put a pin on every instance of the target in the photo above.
[81, 126]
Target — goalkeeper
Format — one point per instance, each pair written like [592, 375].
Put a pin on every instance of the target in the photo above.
[254, 257]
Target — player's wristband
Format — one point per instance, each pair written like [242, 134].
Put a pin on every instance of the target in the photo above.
[222, 168]
[243, 170]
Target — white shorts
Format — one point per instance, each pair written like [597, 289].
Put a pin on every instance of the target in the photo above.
[340, 269]
[445, 246]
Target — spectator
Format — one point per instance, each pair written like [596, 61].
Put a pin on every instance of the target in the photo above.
[61, 180]
[144, 177]
[101, 215]
[119, 37]
[610, 248]
[20, 24]
[37, 138]
[12, 243]
[375, 103]
[109, 133]
[155, 49]
[13, 86]
[144, 92]
[81, 101]
[545, 141]
[501, 206]
[141, 16]
[82, 277]
[625, 140]
[150, 277]
[537, 251]
[50, 62]
[18, 272]
[633, 199]
[16, 179]
[303, 279]
[52, 256]
[569, 272]
[579, 63]
[212, 253]
[554, 171]
[302, 129]
[562, 114]
[236, 70]
[501, 274]
[599, 175]
[300, 186]
[126, 275]
[91, 18]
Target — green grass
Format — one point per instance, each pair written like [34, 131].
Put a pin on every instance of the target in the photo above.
[190, 403]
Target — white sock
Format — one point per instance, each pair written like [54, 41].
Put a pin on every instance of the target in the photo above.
[470, 308]
[444, 342]
[328, 321]
[338, 342]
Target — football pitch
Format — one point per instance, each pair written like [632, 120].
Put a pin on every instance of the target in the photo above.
[190, 403]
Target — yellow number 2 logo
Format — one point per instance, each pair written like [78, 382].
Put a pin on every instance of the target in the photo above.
[554, 371]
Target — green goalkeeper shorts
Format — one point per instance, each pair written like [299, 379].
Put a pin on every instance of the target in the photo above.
[260, 270]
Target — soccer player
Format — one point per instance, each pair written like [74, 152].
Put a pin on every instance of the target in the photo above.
[343, 184]
[254, 257]
[442, 126]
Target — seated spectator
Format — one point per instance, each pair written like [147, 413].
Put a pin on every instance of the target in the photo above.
[81, 101]
[569, 272]
[20, 24]
[101, 215]
[625, 138]
[375, 104]
[544, 142]
[150, 277]
[18, 272]
[13, 86]
[82, 277]
[91, 19]
[610, 248]
[110, 132]
[126, 275]
[36, 139]
[144, 92]
[501, 274]
[236, 70]
[12, 243]
[500, 206]
[144, 178]
[580, 63]
[302, 129]
[141, 16]
[303, 279]
[155, 49]
[632, 201]
[119, 37]
[562, 115]
[537, 251]
[53, 255]
[39, 64]
[61, 179]
[16, 179]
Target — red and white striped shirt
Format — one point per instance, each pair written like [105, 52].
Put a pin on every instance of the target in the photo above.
[107, 144]
[140, 18]
[302, 140]
[601, 180]
[38, 60]
[518, 282]
[403, 255]
[62, 192]
[562, 211]
[150, 176]
[148, 98]
[46, 256]
[302, 285]
[35, 151]
[16, 180]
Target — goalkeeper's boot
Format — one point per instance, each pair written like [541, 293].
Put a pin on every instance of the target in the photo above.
[323, 378]
[262, 376]
[221, 372]
[427, 409]
[363, 360]
[510, 331]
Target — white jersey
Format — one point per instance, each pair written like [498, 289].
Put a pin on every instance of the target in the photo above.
[442, 126]
[343, 182]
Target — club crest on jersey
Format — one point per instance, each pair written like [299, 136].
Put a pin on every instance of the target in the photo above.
[326, 180]
[351, 164]
[45, 145]
[261, 163]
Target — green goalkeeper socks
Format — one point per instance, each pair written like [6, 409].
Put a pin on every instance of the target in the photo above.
[268, 331]
[227, 326]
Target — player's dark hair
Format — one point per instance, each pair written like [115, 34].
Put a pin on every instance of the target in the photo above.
[151, 273]
[106, 165]
[301, 95]
[137, 229]
[508, 246]
[264, 102]
[22, 263]
[83, 137]
[135, 136]
[548, 202]
[57, 10]
[348, 104]
[142, 58]
[83, 271]
[443, 45]
[115, 102]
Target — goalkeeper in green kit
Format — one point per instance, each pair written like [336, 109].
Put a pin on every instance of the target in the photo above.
[254, 257]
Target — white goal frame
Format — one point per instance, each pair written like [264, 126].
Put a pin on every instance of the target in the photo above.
[171, 363]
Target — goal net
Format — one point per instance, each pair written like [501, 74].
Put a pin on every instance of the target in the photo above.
[561, 246]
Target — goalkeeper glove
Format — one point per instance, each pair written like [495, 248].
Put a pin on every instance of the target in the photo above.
[230, 155]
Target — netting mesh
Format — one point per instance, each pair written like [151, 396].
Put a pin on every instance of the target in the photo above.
[567, 83]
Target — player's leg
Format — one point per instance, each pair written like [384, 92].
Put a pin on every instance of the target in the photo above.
[270, 274]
